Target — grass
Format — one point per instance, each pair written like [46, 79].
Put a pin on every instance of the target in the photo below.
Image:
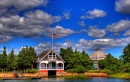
[79, 76]
[120, 75]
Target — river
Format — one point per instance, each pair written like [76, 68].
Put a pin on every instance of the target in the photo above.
[71, 80]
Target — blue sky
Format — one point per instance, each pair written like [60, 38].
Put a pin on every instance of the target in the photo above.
[82, 24]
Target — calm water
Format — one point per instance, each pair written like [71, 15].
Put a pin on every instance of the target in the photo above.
[71, 80]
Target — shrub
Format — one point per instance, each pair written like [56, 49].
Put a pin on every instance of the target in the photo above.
[95, 71]
[107, 71]
[31, 71]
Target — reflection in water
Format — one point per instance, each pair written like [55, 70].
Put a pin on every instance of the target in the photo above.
[59, 79]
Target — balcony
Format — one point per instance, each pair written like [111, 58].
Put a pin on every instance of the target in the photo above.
[52, 68]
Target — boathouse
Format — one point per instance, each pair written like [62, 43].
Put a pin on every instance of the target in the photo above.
[97, 55]
[50, 63]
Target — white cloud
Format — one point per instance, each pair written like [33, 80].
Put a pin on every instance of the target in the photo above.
[41, 17]
[119, 26]
[4, 38]
[81, 23]
[62, 32]
[67, 14]
[32, 25]
[103, 43]
[22, 4]
[92, 14]
[123, 6]
[95, 32]
[127, 33]
[56, 46]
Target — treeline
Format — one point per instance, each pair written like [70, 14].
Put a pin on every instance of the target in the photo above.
[21, 61]
[114, 65]
[76, 61]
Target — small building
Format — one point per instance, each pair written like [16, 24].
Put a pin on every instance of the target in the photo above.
[97, 55]
[50, 63]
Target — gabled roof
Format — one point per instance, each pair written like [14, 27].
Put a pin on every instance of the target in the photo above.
[45, 53]
[98, 53]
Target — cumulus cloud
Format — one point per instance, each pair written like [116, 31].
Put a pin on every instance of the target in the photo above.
[62, 32]
[122, 25]
[103, 43]
[95, 32]
[127, 33]
[4, 38]
[22, 4]
[32, 24]
[92, 14]
[82, 23]
[56, 46]
[41, 17]
[123, 6]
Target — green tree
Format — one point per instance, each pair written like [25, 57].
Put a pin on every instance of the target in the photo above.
[26, 58]
[12, 61]
[3, 59]
[110, 62]
[102, 63]
[75, 60]
[126, 54]
[86, 61]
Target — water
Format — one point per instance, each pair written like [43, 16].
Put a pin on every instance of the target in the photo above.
[71, 80]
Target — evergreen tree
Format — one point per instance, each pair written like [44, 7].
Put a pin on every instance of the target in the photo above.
[26, 57]
[86, 61]
[3, 64]
[12, 61]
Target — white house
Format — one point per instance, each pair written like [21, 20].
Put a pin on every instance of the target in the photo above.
[49, 62]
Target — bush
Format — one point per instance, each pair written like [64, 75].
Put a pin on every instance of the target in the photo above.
[107, 71]
[77, 69]
[31, 71]
[95, 71]
[80, 69]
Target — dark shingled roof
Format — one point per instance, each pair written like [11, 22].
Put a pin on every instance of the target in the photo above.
[43, 54]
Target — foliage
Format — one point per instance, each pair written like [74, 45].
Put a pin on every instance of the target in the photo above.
[3, 59]
[26, 57]
[120, 75]
[75, 61]
[102, 63]
[95, 71]
[12, 61]
[107, 71]
[110, 63]
[31, 71]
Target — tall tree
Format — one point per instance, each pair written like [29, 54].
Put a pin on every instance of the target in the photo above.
[86, 61]
[12, 61]
[26, 57]
[126, 54]
[3, 59]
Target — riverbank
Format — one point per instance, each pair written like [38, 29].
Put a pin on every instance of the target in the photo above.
[66, 75]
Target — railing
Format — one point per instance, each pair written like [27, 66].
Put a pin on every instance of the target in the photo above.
[51, 67]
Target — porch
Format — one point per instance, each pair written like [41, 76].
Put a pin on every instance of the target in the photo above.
[52, 66]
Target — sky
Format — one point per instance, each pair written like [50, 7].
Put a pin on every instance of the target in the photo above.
[82, 24]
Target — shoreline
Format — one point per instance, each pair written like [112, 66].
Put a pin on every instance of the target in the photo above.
[25, 76]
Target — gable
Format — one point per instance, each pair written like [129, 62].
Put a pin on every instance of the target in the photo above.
[44, 56]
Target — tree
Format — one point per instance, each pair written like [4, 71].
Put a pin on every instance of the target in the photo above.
[102, 63]
[12, 61]
[75, 60]
[126, 54]
[86, 61]
[26, 57]
[3, 59]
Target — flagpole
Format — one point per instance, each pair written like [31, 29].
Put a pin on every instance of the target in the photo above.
[52, 40]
